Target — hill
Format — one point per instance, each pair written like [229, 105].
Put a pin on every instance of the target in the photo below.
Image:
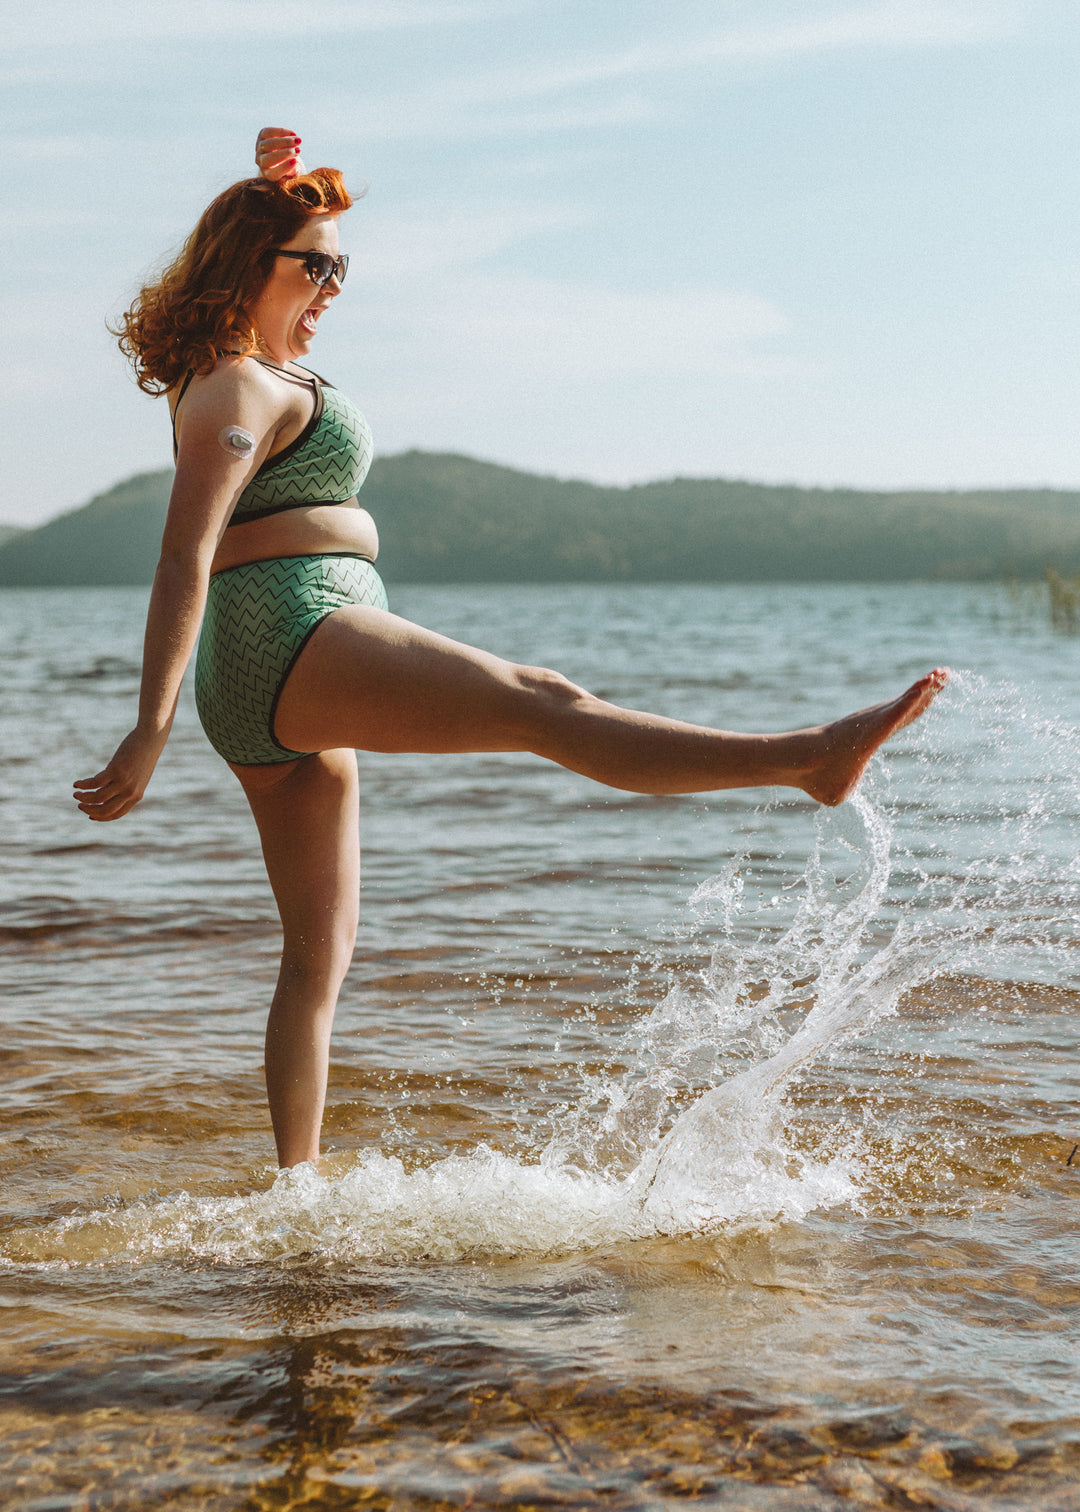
[113, 539]
[444, 518]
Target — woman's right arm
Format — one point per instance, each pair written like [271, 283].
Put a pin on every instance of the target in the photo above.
[209, 479]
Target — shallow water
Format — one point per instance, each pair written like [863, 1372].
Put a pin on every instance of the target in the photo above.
[679, 1148]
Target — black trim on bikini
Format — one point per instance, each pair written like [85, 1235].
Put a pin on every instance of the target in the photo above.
[286, 374]
[183, 390]
[283, 679]
[305, 435]
[319, 385]
[288, 556]
[273, 509]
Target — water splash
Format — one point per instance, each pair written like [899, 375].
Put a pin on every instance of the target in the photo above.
[605, 1175]
[1004, 907]
[726, 1157]
[694, 1132]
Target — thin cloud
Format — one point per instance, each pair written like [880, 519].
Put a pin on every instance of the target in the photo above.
[862, 27]
[423, 115]
[402, 247]
[854, 29]
[531, 327]
[116, 21]
[459, 105]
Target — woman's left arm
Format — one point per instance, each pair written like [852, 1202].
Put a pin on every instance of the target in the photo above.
[177, 600]
[208, 481]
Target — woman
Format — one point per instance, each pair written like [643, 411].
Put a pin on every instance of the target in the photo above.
[300, 663]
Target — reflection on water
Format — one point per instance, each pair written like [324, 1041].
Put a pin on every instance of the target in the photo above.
[702, 1149]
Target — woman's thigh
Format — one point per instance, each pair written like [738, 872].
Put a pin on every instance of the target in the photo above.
[373, 681]
[307, 814]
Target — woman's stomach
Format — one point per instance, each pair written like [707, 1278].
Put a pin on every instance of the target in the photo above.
[305, 531]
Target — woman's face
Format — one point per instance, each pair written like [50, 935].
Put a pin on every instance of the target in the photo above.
[289, 307]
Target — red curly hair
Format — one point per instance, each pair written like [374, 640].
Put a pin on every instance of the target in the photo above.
[200, 307]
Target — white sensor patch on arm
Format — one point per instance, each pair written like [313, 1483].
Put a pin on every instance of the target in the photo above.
[237, 442]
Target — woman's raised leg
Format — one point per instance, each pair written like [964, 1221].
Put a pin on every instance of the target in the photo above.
[307, 816]
[370, 680]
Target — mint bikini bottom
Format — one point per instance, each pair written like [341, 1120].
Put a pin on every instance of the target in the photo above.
[258, 619]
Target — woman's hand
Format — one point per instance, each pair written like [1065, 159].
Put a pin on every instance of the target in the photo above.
[117, 789]
[277, 152]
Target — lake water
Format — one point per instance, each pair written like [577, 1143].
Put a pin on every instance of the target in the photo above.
[681, 1149]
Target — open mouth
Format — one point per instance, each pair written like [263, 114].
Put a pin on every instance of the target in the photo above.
[309, 318]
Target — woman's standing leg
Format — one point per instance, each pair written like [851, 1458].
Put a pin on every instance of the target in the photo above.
[308, 821]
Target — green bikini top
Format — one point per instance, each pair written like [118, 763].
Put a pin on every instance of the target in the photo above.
[326, 464]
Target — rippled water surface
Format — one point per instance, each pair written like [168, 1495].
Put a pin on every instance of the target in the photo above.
[716, 1150]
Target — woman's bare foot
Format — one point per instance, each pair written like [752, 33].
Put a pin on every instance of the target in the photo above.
[847, 744]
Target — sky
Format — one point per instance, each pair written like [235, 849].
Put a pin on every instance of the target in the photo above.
[826, 242]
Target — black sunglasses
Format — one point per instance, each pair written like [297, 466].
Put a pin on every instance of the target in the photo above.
[320, 265]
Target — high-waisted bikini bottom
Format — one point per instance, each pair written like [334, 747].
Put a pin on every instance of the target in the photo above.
[258, 619]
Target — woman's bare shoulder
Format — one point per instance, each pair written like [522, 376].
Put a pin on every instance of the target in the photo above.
[233, 384]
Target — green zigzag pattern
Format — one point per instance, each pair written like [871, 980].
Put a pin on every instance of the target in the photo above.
[257, 618]
[329, 468]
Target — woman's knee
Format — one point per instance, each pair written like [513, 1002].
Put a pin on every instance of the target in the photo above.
[315, 967]
[549, 692]
[544, 700]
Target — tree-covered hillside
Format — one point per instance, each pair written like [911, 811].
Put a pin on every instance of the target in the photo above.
[446, 518]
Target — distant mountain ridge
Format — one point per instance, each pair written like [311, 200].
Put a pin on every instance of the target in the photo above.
[445, 518]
